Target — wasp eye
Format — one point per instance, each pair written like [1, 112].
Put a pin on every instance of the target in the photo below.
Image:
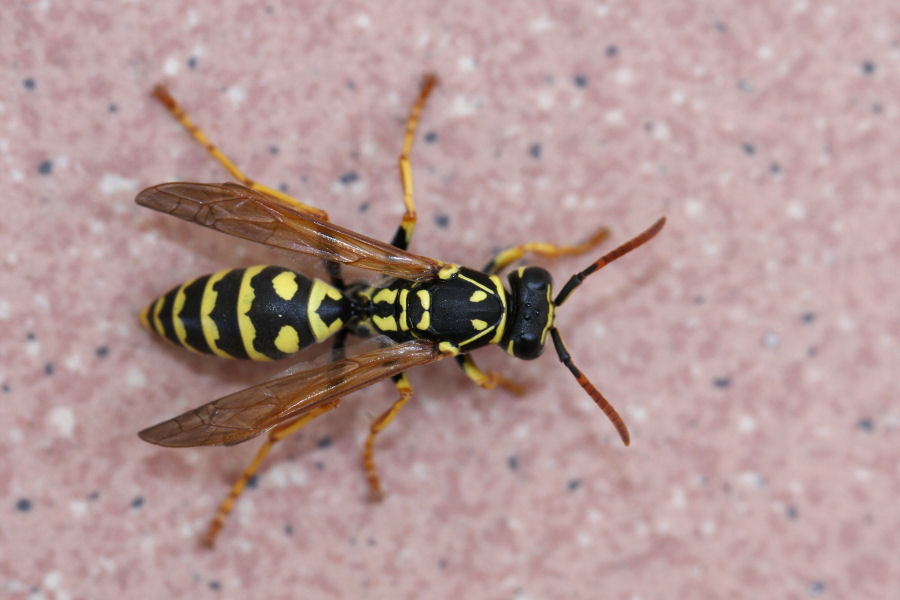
[530, 312]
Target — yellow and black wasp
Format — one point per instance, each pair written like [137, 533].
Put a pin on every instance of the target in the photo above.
[429, 309]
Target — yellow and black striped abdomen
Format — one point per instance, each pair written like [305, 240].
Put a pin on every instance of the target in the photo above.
[261, 313]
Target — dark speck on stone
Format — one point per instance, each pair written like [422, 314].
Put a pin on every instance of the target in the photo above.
[535, 150]
[442, 563]
[866, 424]
[46, 167]
[253, 482]
[325, 442]
[431, 137]
[283, 188]
[5, 387]
[273, 149]
[513, 462]
[749, 148]
[745, 85]
[877, 109]
[289, 529]
[48, 369]
[774, 168]
[791, 512]
[722, 382]
[721, 26]
[580, 81]
[23, 504]
[573, 484]
[808, 317]
[137, 502]
[29, 84]
[93, 495]
[868, 67]
[101, 351]
[112, 107]
[215, 585]
[815, 588]
[349, 177]
[364, 207]
[442, 221]
[192, 62]
[612, 50]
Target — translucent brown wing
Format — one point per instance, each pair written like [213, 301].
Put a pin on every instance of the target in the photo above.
[245, 213]
[245, 414]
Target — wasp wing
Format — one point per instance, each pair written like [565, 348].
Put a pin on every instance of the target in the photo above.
[245, 213]
[245, 414]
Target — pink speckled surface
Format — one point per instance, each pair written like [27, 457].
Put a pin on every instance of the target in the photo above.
[752, 347]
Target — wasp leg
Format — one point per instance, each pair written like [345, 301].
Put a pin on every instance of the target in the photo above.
[405, 389]
[404, 232]
[488, 380]
[278, 433]
[509, 255]
[163, 95]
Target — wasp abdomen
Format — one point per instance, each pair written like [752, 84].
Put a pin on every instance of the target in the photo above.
[261, 313]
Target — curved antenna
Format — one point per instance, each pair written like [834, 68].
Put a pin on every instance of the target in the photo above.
[619, 252]
[593, 392]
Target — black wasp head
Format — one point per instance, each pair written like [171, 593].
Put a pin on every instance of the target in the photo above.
[531, 312]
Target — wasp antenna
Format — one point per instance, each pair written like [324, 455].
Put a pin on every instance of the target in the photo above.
[593, 392]
[619, 252]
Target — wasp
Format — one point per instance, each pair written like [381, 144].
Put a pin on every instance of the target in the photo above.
[428, 309]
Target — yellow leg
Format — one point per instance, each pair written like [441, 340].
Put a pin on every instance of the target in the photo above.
[489, 380]
[162, 94]
[405, 389]
[509, 255]
[275, 435]
[405, 231]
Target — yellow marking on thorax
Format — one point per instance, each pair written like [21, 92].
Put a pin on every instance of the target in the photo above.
[425, 321]
[404, 296]
[478, 296]
[386, 295]
[207, 304]
[424, 299]
[448, 349]
[177, 306]
[479, 324]
[447, 271]
[285, 285]
[245, 298]
[288, 340]
[317, 294]
[473, 282]
[385, 323]
[501, 293]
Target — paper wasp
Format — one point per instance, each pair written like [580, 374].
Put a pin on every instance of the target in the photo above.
[428, 309]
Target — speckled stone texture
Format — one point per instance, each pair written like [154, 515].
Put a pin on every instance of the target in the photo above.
[752, 347]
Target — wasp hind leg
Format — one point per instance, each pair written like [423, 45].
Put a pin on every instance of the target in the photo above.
[401, 381]
[489, 380]
[163, 95]
[404, 232]
[505, 257]
[275, 435]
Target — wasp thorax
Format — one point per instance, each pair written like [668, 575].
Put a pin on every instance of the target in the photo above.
[530, 312]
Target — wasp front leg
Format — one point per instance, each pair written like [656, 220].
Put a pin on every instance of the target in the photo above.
[404, 232]
[163, 95]
[505, 257]
[489, 380]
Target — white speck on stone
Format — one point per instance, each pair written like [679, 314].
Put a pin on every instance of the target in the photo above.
[192, 18]
[52, 580]
[601, 10]
[171, 66]
[764, 53]
[16, 436]
[711, 249]
[661, 132]
[32, 348]
[542, 23]
[599, 330]
[615, 116]
[746, 424]
[236, 95]
[77, 508]
[521, 431]
[677, 97]
[862, 475]
[4, 310]
[846, 324]
[570, 201]
[624, 76]
[62, 419]
[97, 226]
[135, 377]
[771, 340]
[462, 106]
[708, 527]
[16, 175]
[752, 479]
[73, 362]
[116, 184]
[362, 20]
[678, 498]
[466, 64]
[546, 99]
[638, 413]
[795, 210]
[584, 540]
[693, 208]
[420, 470]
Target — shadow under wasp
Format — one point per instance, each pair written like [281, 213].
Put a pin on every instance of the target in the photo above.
[428, 309]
